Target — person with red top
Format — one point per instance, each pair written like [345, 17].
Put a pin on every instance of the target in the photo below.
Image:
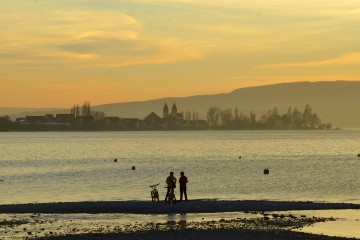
[183, 180]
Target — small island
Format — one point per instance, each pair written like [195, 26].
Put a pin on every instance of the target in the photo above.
[84, 119]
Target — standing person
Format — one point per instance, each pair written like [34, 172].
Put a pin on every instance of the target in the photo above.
[171, 184]
[183, 180]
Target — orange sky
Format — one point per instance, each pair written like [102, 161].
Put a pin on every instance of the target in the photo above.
[58, 53]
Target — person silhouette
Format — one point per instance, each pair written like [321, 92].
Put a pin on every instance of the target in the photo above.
[171, 184]
[183, 181]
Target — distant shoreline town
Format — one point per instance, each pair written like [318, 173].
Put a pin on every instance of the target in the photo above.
[82, 118]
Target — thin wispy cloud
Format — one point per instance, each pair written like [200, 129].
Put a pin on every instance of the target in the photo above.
[346, 59]
[111, 37]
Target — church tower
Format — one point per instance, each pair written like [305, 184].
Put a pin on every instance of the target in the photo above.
[174, 110]
[166, 111]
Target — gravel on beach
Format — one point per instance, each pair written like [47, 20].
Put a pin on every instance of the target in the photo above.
[264, 226]
[62, 221]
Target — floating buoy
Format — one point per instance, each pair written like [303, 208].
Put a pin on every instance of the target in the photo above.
[115, 160]
[133, 168]
[266, 171]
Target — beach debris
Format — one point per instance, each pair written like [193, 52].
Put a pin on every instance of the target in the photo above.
[115, 160]
[266, 171]
[133, 168]
[100, 229]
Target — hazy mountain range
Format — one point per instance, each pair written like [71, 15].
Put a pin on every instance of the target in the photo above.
[336, 102]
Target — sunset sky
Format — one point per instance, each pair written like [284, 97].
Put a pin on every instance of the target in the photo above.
[55, 53]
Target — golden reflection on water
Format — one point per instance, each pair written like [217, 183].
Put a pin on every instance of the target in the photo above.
[347, 223]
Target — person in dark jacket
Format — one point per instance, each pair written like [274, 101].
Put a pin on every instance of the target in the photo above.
[183, 180]
[171, 184]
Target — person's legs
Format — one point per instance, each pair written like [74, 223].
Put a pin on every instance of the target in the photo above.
[185, 194]
[167, 194]
[181, 193]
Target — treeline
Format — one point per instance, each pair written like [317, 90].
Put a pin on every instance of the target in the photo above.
[292, 119]
[5, 123]
[90, 119]
[85, 111]
[84, 118]
[191, 116]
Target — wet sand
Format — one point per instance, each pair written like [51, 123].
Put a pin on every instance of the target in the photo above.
[256, 220]
[193, 206]
[237, 234]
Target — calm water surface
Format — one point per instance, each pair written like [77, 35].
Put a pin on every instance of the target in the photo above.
[79, 166]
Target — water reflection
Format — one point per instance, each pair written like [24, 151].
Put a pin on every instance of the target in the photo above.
[346, 225]
[23, 225]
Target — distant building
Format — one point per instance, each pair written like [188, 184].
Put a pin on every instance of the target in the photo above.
[129, 123]
[40, 123]
[85, 122]
[20, 120]
[65, 118]
[35, 119]
[152, 121]
[174, 115]
[171, 119]
[116, 123]
[166, 111]
[50, 118]
[111, 122]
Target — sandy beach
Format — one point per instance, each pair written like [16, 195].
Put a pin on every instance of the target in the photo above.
[193, 206]
[145, 220]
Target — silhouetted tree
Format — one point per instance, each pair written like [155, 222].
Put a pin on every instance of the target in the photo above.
[75, 110]
[226, 117]
[306, 117]
[98, 116]
[292, 119]
[252, 117]
[86, 109]
[263, 118]
[213, 116]
[236, 113]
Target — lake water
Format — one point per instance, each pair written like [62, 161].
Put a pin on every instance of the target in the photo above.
[79, 166]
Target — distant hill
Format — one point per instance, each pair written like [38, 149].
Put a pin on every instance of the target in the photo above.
[337, 102]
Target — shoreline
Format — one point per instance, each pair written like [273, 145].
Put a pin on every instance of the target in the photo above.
[191, 206]
[229, 234]
[112, 220]
[259, 226]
